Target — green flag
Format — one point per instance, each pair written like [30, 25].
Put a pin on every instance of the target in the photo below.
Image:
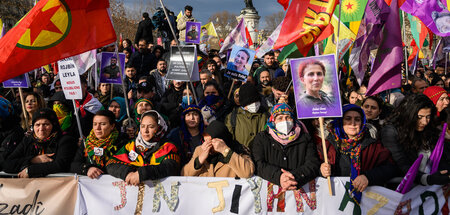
[352, 10]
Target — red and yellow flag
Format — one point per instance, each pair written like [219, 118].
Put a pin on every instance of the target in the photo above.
[306, 22]
[53, 30]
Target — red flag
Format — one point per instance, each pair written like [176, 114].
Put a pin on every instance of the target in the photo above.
[53, 30]
[284, 3]
[305, 23]
[249, 38]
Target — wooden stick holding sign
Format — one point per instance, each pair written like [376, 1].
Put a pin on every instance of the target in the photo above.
[187, 90]
[325, 153]
[317, 101]
[231, 88]
[22, 100]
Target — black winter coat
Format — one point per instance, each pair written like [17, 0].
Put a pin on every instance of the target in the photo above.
[404, 158]
[298, 157]
[144, 31]
[143, 62]
[64, 148]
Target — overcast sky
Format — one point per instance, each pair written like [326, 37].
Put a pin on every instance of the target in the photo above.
[203, 9]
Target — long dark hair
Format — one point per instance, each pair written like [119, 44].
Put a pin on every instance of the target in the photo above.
[405, 118]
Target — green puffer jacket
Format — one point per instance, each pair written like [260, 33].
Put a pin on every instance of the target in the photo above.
[244, 125]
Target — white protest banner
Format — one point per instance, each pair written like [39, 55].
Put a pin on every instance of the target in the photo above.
[70, 79]
[177, 71]
[38, 195]
[203, 195]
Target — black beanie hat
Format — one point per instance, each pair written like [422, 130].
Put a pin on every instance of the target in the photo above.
[47, 113]
[248, 93]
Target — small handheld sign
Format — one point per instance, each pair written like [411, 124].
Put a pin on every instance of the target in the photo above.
[193, 32]
[240, 63]
[177, 71]
[109, 70]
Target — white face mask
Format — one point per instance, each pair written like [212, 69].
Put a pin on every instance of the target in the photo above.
[284, 127]
[253, 107]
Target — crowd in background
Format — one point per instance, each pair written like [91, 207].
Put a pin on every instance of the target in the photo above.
[254, 131]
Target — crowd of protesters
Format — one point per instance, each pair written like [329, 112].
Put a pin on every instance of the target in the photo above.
[254, 131]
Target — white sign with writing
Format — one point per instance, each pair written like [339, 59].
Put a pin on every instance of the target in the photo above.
[70, 79]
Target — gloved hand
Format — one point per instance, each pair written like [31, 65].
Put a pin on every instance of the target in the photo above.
[439, 178]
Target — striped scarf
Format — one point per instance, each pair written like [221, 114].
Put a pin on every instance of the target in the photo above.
[106, 144]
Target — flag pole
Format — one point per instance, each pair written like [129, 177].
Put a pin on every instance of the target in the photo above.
[22, 100]
[123, 85]
[405, 49]
[446, 60]
[231, 88]
[338, 30]
[78, 119]
[179, 49]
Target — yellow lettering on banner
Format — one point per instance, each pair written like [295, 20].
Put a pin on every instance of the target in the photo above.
[319, 3]
[382, 201]
[323, 19]
[307, 38]
[311, 13]
[219, 185]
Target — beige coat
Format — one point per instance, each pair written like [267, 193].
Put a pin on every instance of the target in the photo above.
[239, 166]
[181, 26]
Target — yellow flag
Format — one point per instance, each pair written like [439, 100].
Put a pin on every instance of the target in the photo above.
[346, 38]
[1, 28]
[210, 29]
[179, 15]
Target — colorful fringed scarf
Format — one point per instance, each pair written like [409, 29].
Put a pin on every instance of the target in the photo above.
[41, 144]
[350, 146]
[131, 156]
[107, 146]
[64, 116]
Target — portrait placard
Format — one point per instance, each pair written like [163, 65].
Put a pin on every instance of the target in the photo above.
[316, 87]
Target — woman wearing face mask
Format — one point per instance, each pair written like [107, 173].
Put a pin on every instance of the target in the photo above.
[149, 157]
[409, 132]
[284, 153]
[219, 156]
[189, 135]
[215, 101]
[101, 144]
[45, 151]
[353, 152]
[247, 120]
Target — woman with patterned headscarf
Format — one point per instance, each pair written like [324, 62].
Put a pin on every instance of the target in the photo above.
[101, 144]
[149, 157]
[284, 153]
[353, 152]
